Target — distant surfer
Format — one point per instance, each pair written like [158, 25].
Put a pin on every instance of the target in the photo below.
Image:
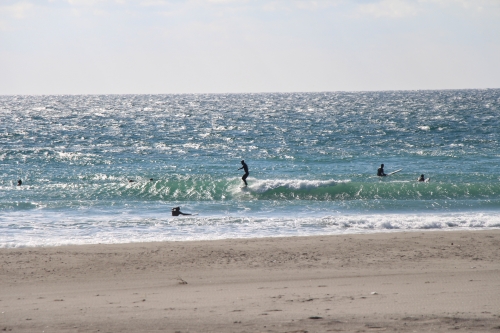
[245, 168]
[19, 182]
[422, 179]
[176, 211]
[380, 171]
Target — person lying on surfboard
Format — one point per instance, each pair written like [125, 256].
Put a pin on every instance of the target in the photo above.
[380, 171]
[176, 211]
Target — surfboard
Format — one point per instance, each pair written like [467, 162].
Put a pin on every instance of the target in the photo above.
[391, 173]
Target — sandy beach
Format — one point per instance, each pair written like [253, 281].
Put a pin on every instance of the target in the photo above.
[401, 281]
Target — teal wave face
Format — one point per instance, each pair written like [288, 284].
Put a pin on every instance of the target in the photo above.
[205, 188]
[398, 190]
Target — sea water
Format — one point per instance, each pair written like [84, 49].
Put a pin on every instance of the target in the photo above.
[312, 157]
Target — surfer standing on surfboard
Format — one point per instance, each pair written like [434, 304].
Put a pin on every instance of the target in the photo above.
[245, 168]
[380, 171]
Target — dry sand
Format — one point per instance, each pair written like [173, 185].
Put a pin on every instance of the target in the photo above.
[405, 282]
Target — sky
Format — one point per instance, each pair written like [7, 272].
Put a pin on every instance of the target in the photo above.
[245, 46]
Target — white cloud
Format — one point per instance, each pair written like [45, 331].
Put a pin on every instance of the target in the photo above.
[3, 26]
[287, 5]
[407, 8]
[492, 6]
[83, 2]
[93, 2]
[226, 1]
[149, 3]
[18, 10]
[389, 8]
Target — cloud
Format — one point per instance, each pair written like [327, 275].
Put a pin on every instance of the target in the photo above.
[18, 10]
[84, 2]
[389, 8]
[289, 5]
[226, 1]
[149, 3]
[492, 6]
[314, 5]
[407, 8]
[93, 2]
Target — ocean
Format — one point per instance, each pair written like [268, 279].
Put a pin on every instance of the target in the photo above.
[312, 157]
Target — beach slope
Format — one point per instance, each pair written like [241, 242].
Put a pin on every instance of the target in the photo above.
[400, 281]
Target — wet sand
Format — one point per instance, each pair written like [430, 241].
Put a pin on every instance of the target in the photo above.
[402, 281]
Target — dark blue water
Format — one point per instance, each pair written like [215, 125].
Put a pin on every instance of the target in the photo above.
[313, 159]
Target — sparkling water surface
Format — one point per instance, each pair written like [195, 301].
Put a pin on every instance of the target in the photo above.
[312, 157]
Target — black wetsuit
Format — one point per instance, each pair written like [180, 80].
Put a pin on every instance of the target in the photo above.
[244, 167]
[380, 172]
[177, 211]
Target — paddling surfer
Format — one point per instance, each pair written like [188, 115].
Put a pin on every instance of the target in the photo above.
[380, 171]
[176, 211]
[245, 168]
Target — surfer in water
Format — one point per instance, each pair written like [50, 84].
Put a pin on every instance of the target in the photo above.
[245, 168]
[422, 179]
[176, 211]
[380, 171]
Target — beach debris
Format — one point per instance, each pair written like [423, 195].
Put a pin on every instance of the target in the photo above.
[315, 317]
[374, 293]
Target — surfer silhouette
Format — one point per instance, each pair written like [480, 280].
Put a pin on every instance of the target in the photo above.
[19, 182]
[176, 211]
[380, 171]
[422, 179]
[245, 168]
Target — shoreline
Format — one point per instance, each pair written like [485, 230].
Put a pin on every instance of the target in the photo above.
[9, 244]
[404, 281]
